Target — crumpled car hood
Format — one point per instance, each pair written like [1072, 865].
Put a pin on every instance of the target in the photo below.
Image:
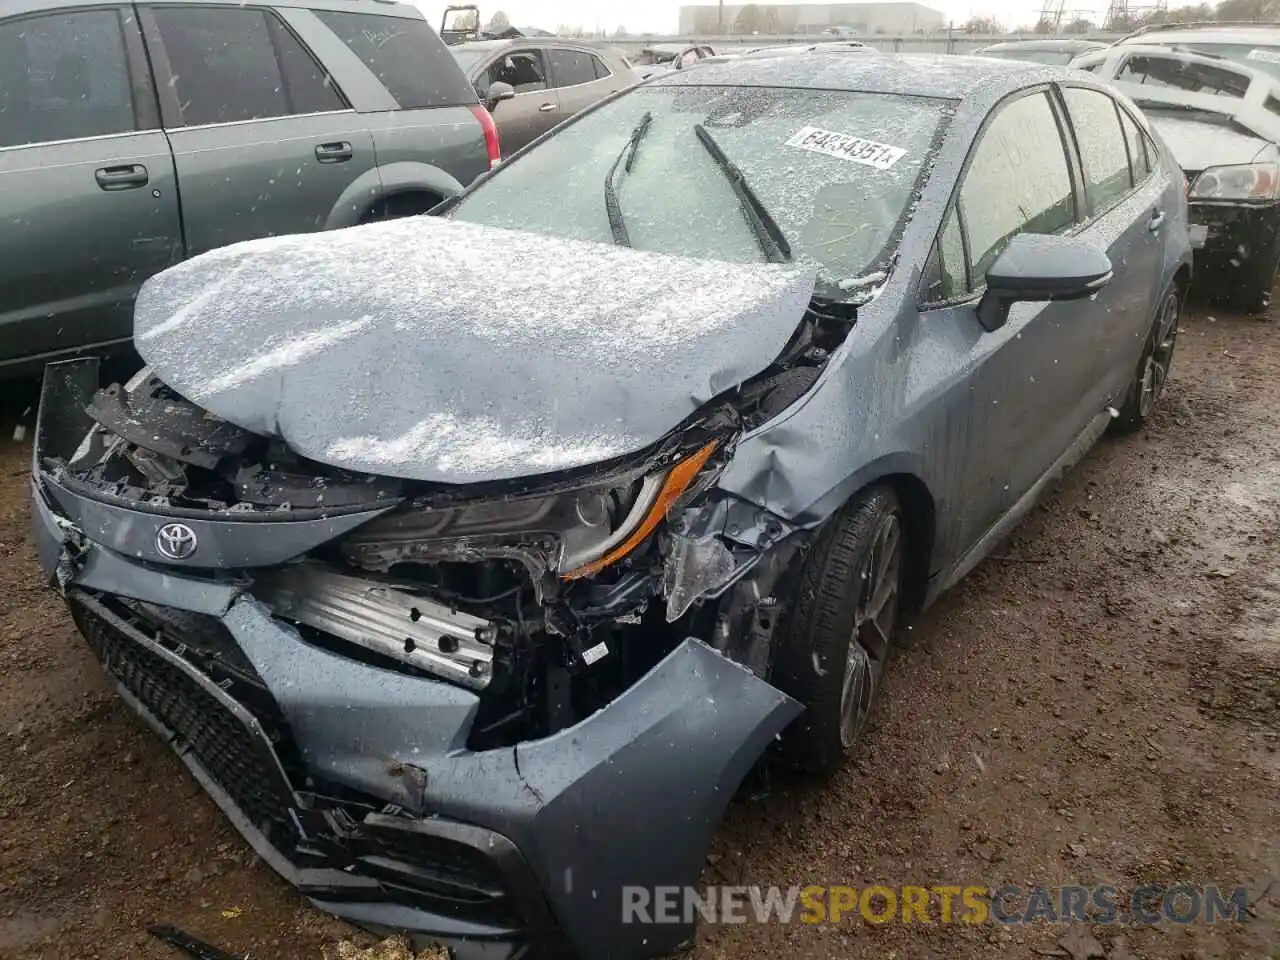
[443, 351]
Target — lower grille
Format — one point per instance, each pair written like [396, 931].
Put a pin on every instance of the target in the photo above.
[239, 746]
[231, 751]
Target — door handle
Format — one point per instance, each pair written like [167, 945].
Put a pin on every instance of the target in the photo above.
[127, 176]
[1157, 219]
[334, 152]
[546, 108]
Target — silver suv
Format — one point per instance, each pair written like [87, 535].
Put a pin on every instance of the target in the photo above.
[134, 136]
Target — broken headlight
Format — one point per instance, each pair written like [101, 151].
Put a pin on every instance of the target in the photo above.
[572, 534]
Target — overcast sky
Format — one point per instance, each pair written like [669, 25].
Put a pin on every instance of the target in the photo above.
[660, 16]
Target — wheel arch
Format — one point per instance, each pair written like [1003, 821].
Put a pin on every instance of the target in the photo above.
[904, 474]
[394, 180]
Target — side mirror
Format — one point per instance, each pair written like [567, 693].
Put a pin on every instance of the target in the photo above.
[498, 91]
[1040, 269]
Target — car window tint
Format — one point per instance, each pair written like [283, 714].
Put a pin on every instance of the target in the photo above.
[1017, 181]
[63, 77]
[1138, 159]
[224, 64]
[307, 85]
[571, 67]
[406, 55]
[1102, 150]
[1172, 72]
[601, 68]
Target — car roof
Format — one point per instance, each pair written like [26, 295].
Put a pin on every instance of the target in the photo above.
[1060, 44]
[1245, 33]
[484, 46]
[909, 74]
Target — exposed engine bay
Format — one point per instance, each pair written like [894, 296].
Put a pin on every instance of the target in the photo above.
[547, 596]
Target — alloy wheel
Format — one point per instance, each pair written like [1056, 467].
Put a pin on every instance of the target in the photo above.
[1155, 373]
[874, 620]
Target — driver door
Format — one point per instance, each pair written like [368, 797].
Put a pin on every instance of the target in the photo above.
[534, 109]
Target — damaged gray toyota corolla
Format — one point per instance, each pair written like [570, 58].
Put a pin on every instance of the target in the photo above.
[470, 562]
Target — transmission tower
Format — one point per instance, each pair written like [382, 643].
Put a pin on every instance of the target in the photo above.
[1123, 15]
[1052, 12]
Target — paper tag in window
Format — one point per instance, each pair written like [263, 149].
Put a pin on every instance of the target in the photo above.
[844, 146]
[1267, 56]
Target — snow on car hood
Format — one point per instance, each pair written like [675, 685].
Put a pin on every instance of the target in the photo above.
[1199, 144]
[450, 352]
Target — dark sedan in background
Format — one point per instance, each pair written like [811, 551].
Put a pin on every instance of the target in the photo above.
[470, 561]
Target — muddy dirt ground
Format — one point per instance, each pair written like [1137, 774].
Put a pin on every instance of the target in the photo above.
[1100, 703]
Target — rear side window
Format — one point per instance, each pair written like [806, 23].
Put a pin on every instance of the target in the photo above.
[1017, 182]
[1180, 75]
[602, 68]
[63, 77]
[234, 64]
[405, 55]
[1103, 152]
[571, 67]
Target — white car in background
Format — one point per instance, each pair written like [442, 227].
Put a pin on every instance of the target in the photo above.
[1252, 45]
[1221, 119]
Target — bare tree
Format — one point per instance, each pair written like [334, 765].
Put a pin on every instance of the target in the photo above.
[982, 25]
[499, 22]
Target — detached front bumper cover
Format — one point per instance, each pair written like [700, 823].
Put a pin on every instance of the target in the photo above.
[354, 781]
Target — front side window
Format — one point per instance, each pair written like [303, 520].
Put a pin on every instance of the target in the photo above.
[406, 56]
[63, 77]
[235, 64]
[1177, 74]
[571, 67]
[1096, 122]
[525, 70]
[1017, 182]
[836, 170]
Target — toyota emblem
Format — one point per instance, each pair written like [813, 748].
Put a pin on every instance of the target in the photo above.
[176, 541]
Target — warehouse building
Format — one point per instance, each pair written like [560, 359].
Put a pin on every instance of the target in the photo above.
[792, 18]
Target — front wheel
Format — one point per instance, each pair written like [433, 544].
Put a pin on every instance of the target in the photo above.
[839, 631]
[1153, 369]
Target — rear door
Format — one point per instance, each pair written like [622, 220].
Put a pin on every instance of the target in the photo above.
[580, 78]
[535, 109]
[263, 140]
[427, 119]
[87, 198]
[1125, 217]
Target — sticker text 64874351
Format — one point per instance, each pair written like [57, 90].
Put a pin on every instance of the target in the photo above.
[844, 146]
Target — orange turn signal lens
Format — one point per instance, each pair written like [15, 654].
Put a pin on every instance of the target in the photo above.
[677, 482]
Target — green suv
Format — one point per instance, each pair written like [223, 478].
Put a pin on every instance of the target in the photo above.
[135, 135]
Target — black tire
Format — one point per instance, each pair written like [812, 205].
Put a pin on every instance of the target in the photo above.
[1152, 374]
[826, 646]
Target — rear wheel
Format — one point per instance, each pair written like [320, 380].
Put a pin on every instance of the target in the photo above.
[840, 629]
[1153, 369]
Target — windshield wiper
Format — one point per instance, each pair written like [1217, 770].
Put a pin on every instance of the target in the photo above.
[617, 224]
[771, 239]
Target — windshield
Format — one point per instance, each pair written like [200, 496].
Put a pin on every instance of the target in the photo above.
[1259, 57]
[835, 171]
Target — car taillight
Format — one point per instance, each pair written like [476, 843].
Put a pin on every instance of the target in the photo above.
[491, 141]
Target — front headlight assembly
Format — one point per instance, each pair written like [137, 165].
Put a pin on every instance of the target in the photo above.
[1246, 181]
[571, 534]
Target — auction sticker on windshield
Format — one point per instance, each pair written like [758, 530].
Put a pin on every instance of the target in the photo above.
[1261, 53]
[844, 146]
